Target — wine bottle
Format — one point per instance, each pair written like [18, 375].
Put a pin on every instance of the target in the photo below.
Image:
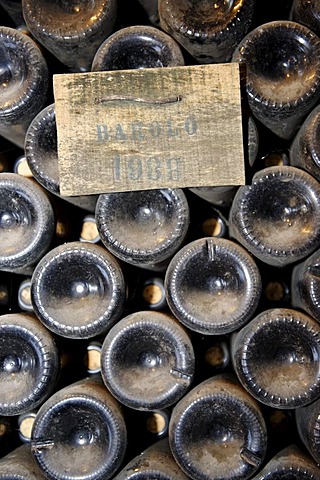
[307, 419]
[137, 47]
[156, 462]
[19, 464]
[79, 433]
[93, 357]
[283, 74]
[305, 285]
[305, 148]
[147, 361]
[23, 83]
[89, 231]
[78, 290]
[24, 296]
[21, 167]
[277, 218]
[153, 294]
[29, 363]
[25, 425]
[26, 222]
[41, 151]
[291, 462]
[71, 30]
[213, 286]
[217, 431]
[208, 31]
[276, 357]
[306, 13]
[157, 220]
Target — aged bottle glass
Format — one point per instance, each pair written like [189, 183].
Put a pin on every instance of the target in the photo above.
[217, 431]
[277, 218]
[137, 47]
[156, 462]
[29, 363]
[307, 13]
[41, 151]
[305, 148]
[283, 74]
[157, 221]
[208, 31]
[78, 290]
[277, 358]
[213, 286]
[26, 222]
[79, 433]
[308, 423]
[19, 464]
[147, 361]
[290, 463]
[23, 83]
[305, 285]
[71, 30]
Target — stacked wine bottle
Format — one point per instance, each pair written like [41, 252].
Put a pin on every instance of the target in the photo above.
[168, 333]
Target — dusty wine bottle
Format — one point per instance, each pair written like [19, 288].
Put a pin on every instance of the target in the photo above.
[147, 361]
[208, 31]
[305, 148]
[26, 222]
[41, 151]
[157, 220]
[23, 83]
[283, 74]
[78, 290]
[277, 358]
[71, 30]
[79, 433]
[305, 285]
[217, 431]
[137, 47]
[290, 463]
[277, 218]
[19, 464]
[308, 423]
[29, 363]
[156, 462]
[212, 286]
[306, 13]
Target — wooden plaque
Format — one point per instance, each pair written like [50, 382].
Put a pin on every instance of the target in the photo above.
[150, 128]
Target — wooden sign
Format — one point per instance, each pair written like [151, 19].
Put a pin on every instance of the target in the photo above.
[149, 128]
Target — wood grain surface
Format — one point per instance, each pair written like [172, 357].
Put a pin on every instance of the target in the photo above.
[149, 128]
